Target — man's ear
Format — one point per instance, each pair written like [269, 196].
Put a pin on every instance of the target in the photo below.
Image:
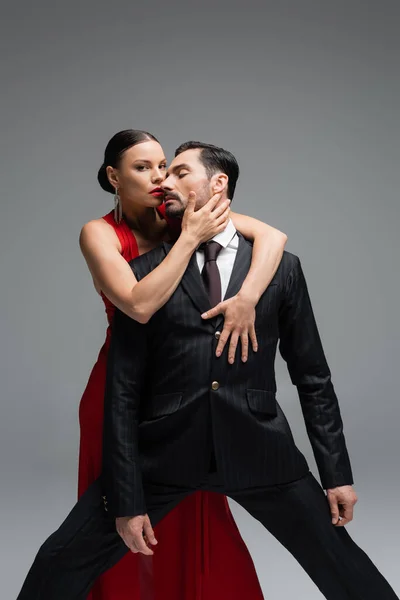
[219, 183]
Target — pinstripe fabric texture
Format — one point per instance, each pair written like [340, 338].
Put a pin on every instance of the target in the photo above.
[163, 415]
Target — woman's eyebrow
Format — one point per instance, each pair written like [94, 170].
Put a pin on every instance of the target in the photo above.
[147, 162]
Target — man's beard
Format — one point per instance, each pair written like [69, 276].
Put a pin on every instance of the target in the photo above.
[175, 210]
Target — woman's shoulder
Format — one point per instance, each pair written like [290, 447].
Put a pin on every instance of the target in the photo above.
[98, 231]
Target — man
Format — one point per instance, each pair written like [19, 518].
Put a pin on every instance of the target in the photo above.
[179, 419]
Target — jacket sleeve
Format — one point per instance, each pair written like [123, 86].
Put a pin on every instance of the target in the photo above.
[127, 361]
[301, 348]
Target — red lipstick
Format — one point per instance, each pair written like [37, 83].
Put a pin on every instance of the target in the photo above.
[158, 192]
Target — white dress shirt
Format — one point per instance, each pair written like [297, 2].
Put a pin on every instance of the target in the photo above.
[230, 242]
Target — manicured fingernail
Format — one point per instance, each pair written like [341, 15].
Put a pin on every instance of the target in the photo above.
[204, 315]
[244, 359]
[218, 353]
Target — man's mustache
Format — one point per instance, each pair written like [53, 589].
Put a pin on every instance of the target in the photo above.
[171, 195]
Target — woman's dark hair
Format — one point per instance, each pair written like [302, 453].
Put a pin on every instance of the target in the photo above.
[115, 149]
[215, 159]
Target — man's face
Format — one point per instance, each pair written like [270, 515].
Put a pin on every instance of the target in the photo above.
[185, 174]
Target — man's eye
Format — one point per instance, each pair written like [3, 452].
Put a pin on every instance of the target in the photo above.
[181, 175]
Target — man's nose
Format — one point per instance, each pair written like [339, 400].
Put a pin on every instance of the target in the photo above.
[167, 184]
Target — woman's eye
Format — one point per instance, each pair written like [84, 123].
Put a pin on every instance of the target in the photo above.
[181, 175]
[141, 168]
[163, 166]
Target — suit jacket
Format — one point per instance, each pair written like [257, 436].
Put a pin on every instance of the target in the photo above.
[169, 399]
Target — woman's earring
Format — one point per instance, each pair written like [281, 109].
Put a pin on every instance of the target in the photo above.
[117, 207]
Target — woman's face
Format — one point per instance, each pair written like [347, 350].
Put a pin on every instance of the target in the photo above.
[140, 173]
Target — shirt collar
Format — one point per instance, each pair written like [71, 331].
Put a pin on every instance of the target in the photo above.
[226, 236]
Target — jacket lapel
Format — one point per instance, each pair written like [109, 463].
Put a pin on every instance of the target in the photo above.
[192, 283]
[240, 269]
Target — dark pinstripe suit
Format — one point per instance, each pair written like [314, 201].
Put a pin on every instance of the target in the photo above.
[178, 416]
[171, 405]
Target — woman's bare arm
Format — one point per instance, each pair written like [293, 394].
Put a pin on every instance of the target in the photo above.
[268, 246]
[114, 277]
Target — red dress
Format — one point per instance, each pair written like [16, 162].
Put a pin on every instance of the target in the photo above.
[200, 554]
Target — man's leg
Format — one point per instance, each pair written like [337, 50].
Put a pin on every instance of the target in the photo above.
[298, 515]
[86, 545]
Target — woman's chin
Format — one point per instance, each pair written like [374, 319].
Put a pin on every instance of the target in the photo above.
[155, 201]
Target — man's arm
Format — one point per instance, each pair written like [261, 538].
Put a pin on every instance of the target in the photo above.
[127, 361]
[301, 348]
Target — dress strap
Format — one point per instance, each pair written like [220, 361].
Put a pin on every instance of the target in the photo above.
[127, 238]
[129, 247]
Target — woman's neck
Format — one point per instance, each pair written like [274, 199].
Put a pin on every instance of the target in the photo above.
[144, 220]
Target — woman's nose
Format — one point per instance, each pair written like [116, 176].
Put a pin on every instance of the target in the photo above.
[158, 177]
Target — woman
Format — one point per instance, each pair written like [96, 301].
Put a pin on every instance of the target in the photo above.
[201, 530]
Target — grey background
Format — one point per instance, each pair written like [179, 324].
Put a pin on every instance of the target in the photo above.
[306, 94]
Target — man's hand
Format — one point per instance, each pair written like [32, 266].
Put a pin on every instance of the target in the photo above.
[239, 317]
[341, 500]
[203, 224]
[137, 533]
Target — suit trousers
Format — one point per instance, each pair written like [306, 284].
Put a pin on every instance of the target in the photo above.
[297, 514]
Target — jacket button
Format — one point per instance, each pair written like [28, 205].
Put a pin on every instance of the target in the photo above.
[215, 385]
[217, 335]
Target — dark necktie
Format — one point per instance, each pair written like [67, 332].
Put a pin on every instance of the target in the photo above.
[210, 273]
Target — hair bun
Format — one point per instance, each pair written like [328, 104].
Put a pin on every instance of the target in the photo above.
[103, 179]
